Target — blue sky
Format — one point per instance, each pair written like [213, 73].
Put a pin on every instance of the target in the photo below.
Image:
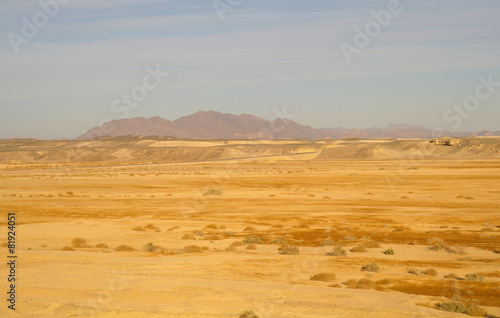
[262, 58]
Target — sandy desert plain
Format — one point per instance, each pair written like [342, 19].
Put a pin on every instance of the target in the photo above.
[225, 218]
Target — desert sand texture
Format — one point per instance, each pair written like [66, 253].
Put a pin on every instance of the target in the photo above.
[144, 227]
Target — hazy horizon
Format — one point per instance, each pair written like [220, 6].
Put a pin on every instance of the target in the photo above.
[68, 66]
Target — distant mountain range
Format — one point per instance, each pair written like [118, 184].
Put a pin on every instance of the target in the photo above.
[216, 125]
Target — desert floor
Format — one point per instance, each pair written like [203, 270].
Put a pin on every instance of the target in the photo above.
[194, 267]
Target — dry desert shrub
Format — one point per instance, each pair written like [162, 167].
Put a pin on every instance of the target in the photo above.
[413, 271]
[138, 228]
[193, 249]
[363, 283]
[474, 277]
[324, 277]
[79, 242]
[236, 244]
[249, 229]
[252, 247]
[459, 307]
[438, 244]
[349, 237]
[248, 314]
[252, 239]
[451, 276]
[212, 192]
[67, 248]
[359, 249]
[389, 251]
[277, 226]
[124, 248]
[329, 243]
[150, 247]
[198, 233]
[187, 237]
[288, 250]
[430, 272]
[371, 268]
[212, 226]
[173, 228]
[152, 227]
[279, 240]
[101, 245]
[337, 251]
[303, 226]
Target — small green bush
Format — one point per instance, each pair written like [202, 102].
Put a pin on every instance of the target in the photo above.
[149, 247]
[389, 251]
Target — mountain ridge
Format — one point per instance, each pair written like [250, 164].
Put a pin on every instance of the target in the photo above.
[216, 125]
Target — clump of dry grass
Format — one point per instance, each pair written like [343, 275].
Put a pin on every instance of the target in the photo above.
[359, 249]
[249, 229]
[187, 237]
[124, 248]
[173, 228]
[430, 272]
[373, 267]
[248, 314]
[363, 283]
[349, 237]
[152, 227]
[303, 226]
[212, 226]
[67, 248]
[138, 228]
[337, 251]
[212, 192]
[279, 240]
[193, 249]
[277, 226]
[237, 244]
[79, 242]
[252, 247]
[288, 250]
[101, 245]
[324, 277]
[438, 244]
[253, 239]
[474, 277]
[451, 276]
[459, 307]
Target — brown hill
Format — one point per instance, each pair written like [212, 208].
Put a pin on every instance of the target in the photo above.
[215, 125]
[169, 150]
